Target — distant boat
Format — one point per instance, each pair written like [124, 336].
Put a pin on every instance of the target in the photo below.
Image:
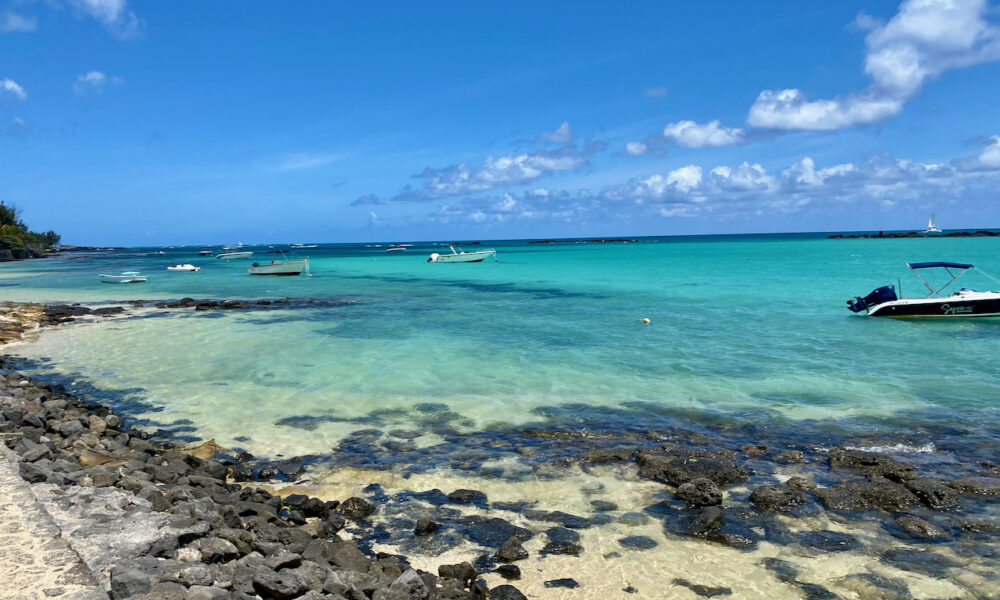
[125, 277]
[184, 267]
[297, 246]
[205, 253]
[932, 226]
[396, 249]
[234, 255]
[280, 267]
[460, 256]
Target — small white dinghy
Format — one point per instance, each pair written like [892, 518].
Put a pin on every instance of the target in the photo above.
[460, 256]
[125, 277]
[184, 267]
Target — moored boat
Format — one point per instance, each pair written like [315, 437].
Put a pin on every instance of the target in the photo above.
[184, 267]
[234, 255]
[884, 301]
[125, 277]
[460, 256]
[280, 267]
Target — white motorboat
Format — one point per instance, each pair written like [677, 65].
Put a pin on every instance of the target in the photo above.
[234, 255]
[884, 302]
[184, 267]
[280, 267]
[931, 226]
[125, 277]
[461, 256]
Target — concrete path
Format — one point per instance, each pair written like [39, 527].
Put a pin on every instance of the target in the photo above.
[35, 561]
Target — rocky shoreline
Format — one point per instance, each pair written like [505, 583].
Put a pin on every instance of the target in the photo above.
[157, 517]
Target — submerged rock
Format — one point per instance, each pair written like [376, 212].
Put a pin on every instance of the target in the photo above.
[978, 486]
[566, 582]
[700, 491]
[933, 492]
[676, 465]
[512, 550]
[506, 592]
[703, 590]
[777, 498]
[638, 542]
[918, 528]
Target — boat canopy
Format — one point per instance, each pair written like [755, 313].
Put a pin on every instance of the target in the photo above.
[931, 265]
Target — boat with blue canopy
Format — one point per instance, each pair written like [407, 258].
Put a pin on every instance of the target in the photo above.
[884, 301]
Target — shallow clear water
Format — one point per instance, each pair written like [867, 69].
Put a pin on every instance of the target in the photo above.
[747, 333]
[738, 324]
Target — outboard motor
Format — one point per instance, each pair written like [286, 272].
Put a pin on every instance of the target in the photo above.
[434, 257]
[878, 296]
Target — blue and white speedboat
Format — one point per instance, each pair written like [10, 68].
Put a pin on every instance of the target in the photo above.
[884, 302]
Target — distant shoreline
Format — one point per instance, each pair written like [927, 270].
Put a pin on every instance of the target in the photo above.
[914, 234]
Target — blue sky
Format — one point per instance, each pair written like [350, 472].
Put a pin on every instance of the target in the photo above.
[138, 123]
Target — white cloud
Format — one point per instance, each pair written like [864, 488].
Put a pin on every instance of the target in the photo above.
[113, 14]
[562, 135]
[11, 92]
[635, 148]
[459, 179]
[685, 178]
[922, 40]
[93, 83]
[789, 109]
[745, 177]
[693, 135]
[990, 156]
[656, 92]
[742, 191]
[10, 22]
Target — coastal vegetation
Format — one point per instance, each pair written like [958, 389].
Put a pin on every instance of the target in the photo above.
[17, 241]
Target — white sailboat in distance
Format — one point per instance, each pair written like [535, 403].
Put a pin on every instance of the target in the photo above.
[932, 226]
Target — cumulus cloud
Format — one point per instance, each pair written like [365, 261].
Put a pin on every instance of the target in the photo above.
[11, 92]
[636, 148]
[693, 135]
[463, 178]
[922, 40]
[93, 83]
[990, 156]
[732, 191]
[10, 22]
[115, 15]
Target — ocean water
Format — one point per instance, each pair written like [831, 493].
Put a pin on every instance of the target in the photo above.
[469, 368]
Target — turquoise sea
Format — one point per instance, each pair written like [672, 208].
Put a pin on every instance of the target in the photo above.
[469, 368]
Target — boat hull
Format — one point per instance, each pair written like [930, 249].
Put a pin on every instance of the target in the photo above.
[123, 278]
[234, 255]
[940, 308]
[294, 267]
[464, 257]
